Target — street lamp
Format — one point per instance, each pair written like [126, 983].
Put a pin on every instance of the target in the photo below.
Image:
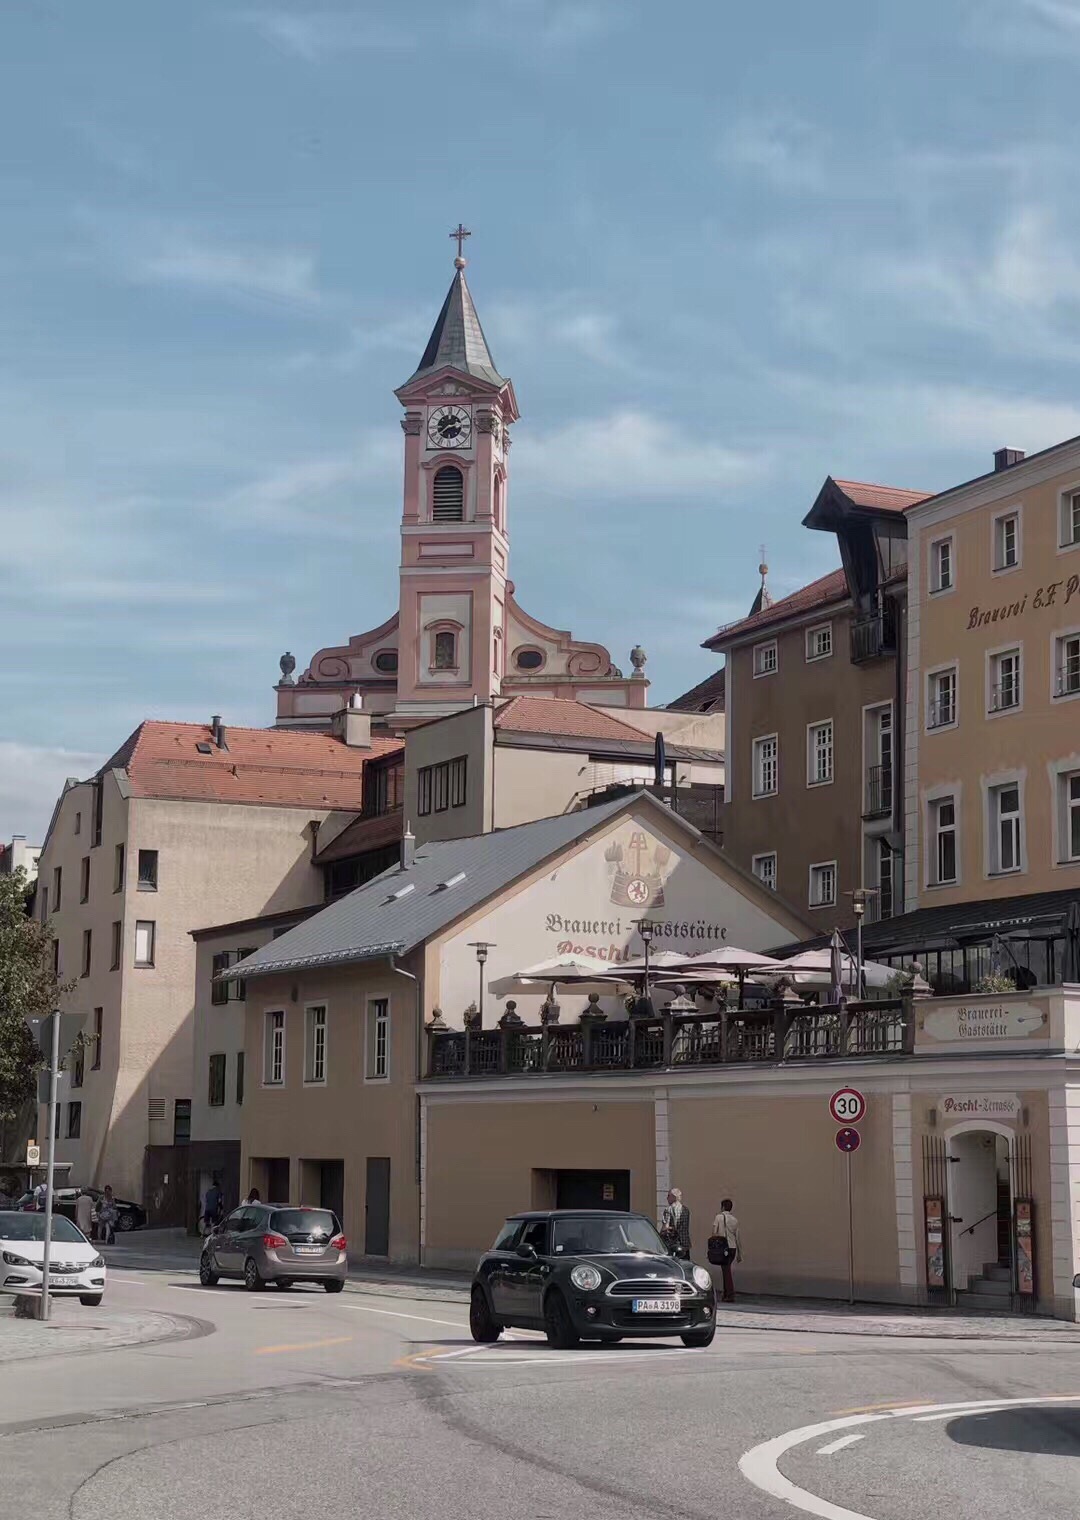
[860, 899]
[643, 1008]
[481, 946]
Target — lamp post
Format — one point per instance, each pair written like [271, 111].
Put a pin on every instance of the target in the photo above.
[481, 946]
[859, 901]
[643, 1008]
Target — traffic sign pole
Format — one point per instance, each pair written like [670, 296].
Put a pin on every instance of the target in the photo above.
[54, 1071]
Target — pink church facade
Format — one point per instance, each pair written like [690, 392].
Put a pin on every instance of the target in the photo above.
[458, 636]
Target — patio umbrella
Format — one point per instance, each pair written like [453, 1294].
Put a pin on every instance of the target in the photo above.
[731, 958]
[814, 968]
[570, 968]
[836, 968]
[1070, 965]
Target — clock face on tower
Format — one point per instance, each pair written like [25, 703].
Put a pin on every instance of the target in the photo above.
[449, 427]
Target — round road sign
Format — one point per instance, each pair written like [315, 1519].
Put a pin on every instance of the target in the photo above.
[847, 1106]
[848, 1140]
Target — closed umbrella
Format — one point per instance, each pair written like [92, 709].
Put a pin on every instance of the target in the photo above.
[1070, 965]
[836, 968]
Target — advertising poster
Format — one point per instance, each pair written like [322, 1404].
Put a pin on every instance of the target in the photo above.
[1025, 1246]
[935, 1242]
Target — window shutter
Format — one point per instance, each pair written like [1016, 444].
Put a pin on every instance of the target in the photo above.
[448, 495]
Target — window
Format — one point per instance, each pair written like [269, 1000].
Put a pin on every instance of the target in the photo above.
[941, 686]
[78, 1059]
[457, 781]
[84, 879]
[59, 1118]
[764, 867]
[445, 651]
[884, 878]
[941, 565]
[99, 1019]
[448, 495]
[117, 943]
[766, 659]
[144, 942]
[74, 1120]
[181, 1124]
[44, 904]
[386, 662]
[442, 786]
[766, 765]
[1070, 797]
[239, 1078]
[148, 870]
[528, 659]
[823, 885]
[1066, 665]
[819, 753]
[87, 947]
[315, 1045]
[1006, 828]
[99, 809]
[383, 788]
[216, 1095]
[943, 841]
[1070, 519]
[1007, 541]
[274, 1050]
[57, 887]
[78, 823]
[1005, 680]
[377, 1067]
[118, 869]
[232, 989]
[819, 642]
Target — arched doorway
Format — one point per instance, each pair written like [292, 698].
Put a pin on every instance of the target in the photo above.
[980, 1167]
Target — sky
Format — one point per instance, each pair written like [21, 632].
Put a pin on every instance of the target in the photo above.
[723, 251]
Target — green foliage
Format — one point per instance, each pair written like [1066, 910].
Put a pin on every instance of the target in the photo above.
[995, 981]
[27, 988]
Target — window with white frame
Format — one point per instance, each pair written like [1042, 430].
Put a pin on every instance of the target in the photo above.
[766, 659]
[274, 1048]
[1007, 541]
[941, 695]
[766, 765]
[145, 934]
[943, 854]
[1006, 833]
[941, 565]
[1067, 665]
[819, 753]
[377, 1067]
[315, 1044]
[1070, 519]
[1069, 808]
[823, 884]
[819, 642]
[764, 868]
[1005, 680]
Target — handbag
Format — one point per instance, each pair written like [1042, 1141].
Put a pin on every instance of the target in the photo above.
[720, 1252]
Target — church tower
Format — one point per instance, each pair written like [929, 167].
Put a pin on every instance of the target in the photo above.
[454, 542]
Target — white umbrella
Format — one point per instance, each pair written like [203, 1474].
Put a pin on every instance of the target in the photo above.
[659, 960]
[813, 968]
[569, 968]
[731, 958]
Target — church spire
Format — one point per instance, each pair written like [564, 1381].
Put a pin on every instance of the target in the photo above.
[763, 600]
[457, 340]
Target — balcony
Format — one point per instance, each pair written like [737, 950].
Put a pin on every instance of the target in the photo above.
[874, 636]
[673, 1042]
[878, 792]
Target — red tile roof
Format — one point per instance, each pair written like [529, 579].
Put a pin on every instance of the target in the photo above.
[830, 588]
[560, 715]
[880, 498]
[262, 766]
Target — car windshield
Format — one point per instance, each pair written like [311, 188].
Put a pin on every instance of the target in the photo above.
[613, 1236]
[32, 1227]
[314, 1223]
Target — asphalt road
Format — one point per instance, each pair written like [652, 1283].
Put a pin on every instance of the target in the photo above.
[303, 1404]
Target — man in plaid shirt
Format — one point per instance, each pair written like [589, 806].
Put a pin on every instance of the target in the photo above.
[675, 1224]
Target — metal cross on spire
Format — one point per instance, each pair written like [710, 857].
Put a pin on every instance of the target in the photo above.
[461, 233]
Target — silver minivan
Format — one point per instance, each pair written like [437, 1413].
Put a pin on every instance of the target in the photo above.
[278, 1243]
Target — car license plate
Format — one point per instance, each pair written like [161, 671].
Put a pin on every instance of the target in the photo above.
[308, 1250]
[655, 1306]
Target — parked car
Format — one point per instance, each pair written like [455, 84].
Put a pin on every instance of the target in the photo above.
[589, 1275]
[129, 1216]
[75, 1266]
[275, 1242]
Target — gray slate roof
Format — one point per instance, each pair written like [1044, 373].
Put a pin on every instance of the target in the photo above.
[457, 340]
[369, 924]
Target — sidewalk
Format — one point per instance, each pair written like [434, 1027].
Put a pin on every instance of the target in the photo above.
[71, 1327]
[174, 1250]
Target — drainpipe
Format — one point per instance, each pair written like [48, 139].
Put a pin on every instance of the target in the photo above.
[418, 983]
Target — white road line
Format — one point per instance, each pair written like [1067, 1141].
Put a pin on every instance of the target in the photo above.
[425, 1319]
[827, 1451]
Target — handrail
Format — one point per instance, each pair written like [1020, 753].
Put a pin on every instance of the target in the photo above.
[973, 1227]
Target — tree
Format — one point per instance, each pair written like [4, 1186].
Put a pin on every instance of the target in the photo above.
[28, 988]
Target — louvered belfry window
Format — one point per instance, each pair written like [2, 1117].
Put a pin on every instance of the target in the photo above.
[448, 495]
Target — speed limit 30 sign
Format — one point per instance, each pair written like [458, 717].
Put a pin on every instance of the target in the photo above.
[847, 1106]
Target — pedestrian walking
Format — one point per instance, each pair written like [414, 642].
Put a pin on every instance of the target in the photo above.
[211, 1209]
[107, 1214]
[725, 1246]
[84, 1214]
[675, 1225]
[254, 1196]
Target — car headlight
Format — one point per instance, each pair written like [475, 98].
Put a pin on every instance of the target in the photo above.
[702, 1278]
[586, 1278]
[12, 1260]
[98, 1261]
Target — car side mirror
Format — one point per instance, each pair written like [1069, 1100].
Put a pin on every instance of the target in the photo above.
[1076, 1280]
[526, 1251]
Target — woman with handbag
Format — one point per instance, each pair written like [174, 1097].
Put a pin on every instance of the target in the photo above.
[725, 1246]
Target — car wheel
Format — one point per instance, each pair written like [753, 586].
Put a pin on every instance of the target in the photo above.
[253, 1280]
[485, 1328]
[207, 1276]
[125, 1223]
[699, 1337]
[90, 1300]
[334, 1285]
[558, 1325]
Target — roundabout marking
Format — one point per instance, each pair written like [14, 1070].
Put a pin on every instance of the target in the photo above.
[760, 1465]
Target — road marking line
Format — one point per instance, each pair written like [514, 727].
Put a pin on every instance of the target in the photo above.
[425, 1319]
[334, 1340]
[827, 1451]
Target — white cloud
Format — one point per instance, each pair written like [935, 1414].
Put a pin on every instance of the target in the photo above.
[317, 495]
[317, 35]
[31, 778]
[781, 149]
[629, 454]
[522, 324]
[549, 24]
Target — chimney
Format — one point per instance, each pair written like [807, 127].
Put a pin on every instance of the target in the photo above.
[1004, 459]
[408, 848]
[353, 724]
[217, 731]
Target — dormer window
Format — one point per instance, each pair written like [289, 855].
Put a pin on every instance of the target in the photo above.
[448, 495]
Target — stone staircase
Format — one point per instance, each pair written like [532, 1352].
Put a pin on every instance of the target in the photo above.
[989, 1293]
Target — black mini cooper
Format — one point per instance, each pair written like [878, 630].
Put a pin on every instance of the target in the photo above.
[589, 1275]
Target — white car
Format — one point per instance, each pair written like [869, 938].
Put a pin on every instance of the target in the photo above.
[75, 1267]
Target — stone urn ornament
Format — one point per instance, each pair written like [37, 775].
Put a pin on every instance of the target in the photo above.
[594, 1011]
[436, 1024]
[511, 1019]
